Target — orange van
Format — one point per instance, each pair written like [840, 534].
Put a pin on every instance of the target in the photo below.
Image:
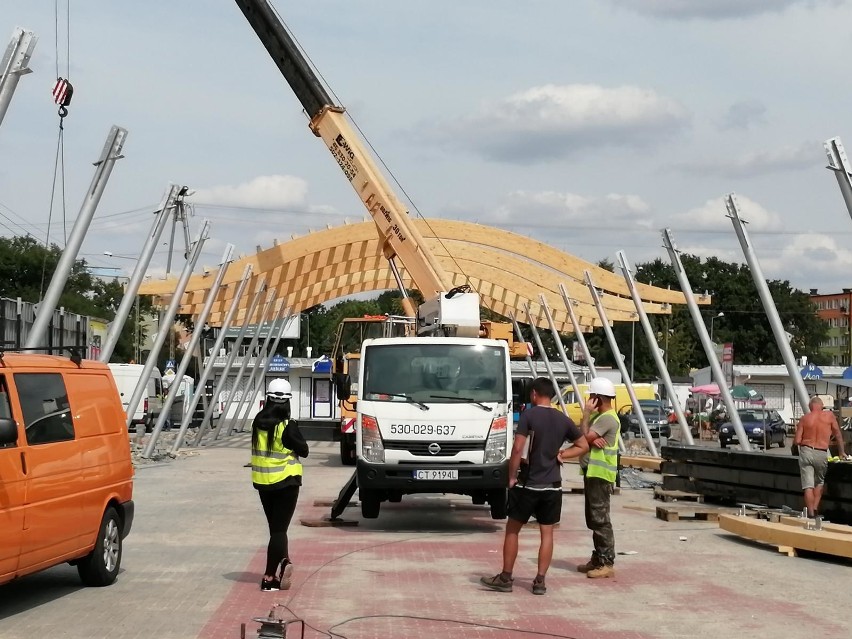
[66, 478]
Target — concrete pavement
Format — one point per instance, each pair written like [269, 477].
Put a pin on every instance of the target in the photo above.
[192, 565]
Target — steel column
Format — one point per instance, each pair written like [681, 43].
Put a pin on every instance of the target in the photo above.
[698, 321]
[613, 345]
[190, 349]
[151, 242]
[839, 163]
[561, 350]
[14, 65]
[578, 332]
[768, 303]
[655, 348]
[168, 320]
[110, 153]
[545, 359]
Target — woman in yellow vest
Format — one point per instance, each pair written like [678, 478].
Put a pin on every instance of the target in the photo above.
[276, 472]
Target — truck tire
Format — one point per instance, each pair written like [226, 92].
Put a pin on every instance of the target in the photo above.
[497, 499]
[100, 567]
[347, 450]
[370, 505]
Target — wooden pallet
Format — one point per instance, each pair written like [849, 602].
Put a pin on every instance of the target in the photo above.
[791, 537]
[642, 463]
[691, 513]
[677, 495]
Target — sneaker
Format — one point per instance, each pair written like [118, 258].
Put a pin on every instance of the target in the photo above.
[498, 583]
[539, 588]
[270, 584]
[285, 575]
[589, 565]
[601, 572]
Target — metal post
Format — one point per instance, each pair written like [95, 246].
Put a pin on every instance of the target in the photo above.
[284, 316]
[578, 331]
[251, 383]
[267, 307]
[655, 348]
[130, 292]
[520, 338]
[14, 65]
[768, 304]
[190, 349]
[637, 409]
[545, 359]
[232, 356]
[111, 152]
[561, 350]
[839, 163]
[169, 317]
[698, 321]
[208, 368]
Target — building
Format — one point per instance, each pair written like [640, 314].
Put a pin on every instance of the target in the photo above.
[836, 310]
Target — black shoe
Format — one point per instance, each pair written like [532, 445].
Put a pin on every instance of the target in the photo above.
[285, 575]
[270, 584]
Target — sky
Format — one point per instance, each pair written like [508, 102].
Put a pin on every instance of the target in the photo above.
[587, 124]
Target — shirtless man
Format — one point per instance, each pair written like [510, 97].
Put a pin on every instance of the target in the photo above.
[813, 434]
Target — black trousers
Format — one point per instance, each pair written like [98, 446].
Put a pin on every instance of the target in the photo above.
[597, 493]
[278, 506]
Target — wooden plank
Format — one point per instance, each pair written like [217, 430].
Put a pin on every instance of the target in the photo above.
[822, 541]
[642, 463]
[828, 526]
[676, 495]
[687, 513]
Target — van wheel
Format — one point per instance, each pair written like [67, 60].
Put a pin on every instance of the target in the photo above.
[100, 567]
[370, 505]
[497, 499]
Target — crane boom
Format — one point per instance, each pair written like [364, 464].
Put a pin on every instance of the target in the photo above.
[399, 237]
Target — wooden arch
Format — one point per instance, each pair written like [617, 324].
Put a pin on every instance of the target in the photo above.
[506, 269]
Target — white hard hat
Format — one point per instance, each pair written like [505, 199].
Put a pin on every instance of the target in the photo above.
[602, 386]
[279, 390]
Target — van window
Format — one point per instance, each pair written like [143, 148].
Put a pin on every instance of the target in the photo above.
[5, 407]
[44, 402]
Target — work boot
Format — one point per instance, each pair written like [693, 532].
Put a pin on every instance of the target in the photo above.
[602, 572]
[498, 583]
[593, 563]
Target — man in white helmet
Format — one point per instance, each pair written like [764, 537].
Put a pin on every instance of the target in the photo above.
[600, 426]
[276, 473]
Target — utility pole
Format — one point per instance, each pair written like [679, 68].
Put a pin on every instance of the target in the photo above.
[561, 349]
[701, 329]
[14, 65]
[578, 332]
[839, 163]
[110, 153]
[768, 303]
[545, 359]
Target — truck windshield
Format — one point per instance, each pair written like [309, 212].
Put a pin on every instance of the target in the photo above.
[435, 373]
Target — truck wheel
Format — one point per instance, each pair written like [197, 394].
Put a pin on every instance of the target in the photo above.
[497, 500]
[100, 567]
[479, 499]
[370, 506]
[347, 451]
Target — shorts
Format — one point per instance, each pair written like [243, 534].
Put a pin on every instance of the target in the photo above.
[813, 465]
[544, 505]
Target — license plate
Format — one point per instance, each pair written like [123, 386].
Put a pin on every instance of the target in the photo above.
[436, 474]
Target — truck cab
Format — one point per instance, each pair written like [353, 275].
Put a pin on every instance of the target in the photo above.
[433, 416]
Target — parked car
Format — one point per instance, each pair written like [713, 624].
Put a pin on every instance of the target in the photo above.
[763, 427]
[656, 417]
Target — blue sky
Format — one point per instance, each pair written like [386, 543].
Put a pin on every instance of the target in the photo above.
[589, 124]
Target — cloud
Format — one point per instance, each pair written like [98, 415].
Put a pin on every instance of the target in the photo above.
[743, 115]
[810, 258]
[788, 158]
[264, 191]
[713, 9]
[712, 214]
[553, 122]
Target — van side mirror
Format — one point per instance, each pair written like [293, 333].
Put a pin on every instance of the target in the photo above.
[343, 385]
[8, 431]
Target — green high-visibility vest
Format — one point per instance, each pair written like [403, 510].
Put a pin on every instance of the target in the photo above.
[603, 462]
[275, 463]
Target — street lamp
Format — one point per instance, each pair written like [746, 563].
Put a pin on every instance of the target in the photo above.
[719, 314]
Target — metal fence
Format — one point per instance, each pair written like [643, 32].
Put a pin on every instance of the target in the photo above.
[65, 330]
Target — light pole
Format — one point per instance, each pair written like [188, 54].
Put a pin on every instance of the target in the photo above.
[719, 314]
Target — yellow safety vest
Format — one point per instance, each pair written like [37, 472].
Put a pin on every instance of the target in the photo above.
[273, 464]
[603, 462]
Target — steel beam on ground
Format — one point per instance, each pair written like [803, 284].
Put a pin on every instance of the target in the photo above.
[208, 368]
[768, 303]
[151, 243]
[706, 343]
[544, 358]
[14, 65]
[616, 353]
[561, 349]
[839, 163]
[199, 322]
[103, 168]
[655, 348]
[578, 331]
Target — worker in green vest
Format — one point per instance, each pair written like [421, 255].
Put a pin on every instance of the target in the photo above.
[276, 472]
[600, 426]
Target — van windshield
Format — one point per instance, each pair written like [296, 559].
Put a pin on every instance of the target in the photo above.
[435, 373]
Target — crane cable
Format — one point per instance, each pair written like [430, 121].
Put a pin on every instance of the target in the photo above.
[62, 93]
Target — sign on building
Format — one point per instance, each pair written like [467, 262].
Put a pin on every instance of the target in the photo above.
[279, 364]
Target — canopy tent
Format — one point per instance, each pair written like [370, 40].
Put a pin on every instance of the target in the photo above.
[706, 389]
